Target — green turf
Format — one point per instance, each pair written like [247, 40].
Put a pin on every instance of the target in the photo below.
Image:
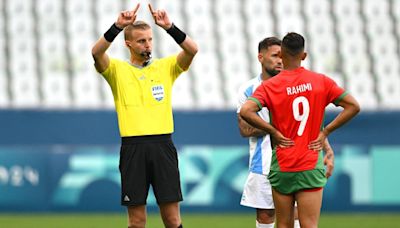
[189, 220]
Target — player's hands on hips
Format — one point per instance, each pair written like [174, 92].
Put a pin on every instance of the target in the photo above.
[318, 143]
[281, 141]
[160, 18]
[127, 17]
[329, 162]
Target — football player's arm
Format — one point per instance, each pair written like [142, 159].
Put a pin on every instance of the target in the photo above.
[329, 158]
[246, 130]
[350, 109]
[249, 113]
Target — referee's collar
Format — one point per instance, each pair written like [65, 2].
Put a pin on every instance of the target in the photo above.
[145, 64]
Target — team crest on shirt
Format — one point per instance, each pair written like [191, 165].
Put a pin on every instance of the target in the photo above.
[158, 92]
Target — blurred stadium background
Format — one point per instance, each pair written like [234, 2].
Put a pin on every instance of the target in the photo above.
[59, 142]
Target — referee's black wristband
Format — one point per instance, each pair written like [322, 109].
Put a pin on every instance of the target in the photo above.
[111, 33]
[176, 33]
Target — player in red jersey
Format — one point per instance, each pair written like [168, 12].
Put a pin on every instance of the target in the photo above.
[297, 99]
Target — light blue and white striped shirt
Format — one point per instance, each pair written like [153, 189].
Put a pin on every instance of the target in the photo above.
[259, 147]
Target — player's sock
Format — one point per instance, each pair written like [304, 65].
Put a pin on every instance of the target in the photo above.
[296, 223]
[180, 226]
[260, 225]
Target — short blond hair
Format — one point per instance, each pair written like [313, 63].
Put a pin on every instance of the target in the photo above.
[134, 26]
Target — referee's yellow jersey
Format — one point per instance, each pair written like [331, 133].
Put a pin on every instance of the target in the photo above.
[142, 95]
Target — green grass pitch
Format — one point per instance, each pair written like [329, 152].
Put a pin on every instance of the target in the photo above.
[190, 220]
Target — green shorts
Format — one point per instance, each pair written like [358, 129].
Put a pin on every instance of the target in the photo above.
[291, 182]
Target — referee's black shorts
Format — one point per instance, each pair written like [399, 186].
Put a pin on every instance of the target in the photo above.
[149, 160]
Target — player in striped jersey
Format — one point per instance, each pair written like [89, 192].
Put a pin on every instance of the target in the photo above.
[297, 99]
[257, 191]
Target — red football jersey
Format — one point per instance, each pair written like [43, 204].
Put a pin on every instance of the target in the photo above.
[297, 100]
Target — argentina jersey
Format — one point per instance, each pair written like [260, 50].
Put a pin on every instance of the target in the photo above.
[259, 147]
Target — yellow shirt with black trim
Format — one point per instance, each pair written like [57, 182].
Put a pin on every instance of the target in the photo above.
[142, 95]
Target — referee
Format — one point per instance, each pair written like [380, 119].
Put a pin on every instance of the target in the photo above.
[142, 90]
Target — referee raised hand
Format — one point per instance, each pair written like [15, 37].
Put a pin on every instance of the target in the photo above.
[127, 17]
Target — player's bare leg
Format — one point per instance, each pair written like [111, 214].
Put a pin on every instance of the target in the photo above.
[137, 216]
[309, 207]
[170, 214]
[284, 209]
[265, 216]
